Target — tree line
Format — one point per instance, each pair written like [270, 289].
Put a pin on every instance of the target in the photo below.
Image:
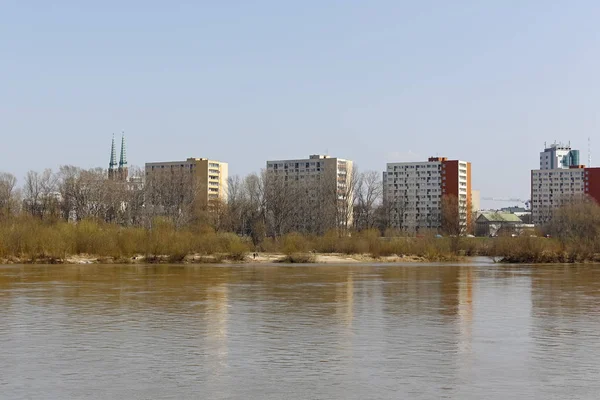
[72, 210]
[258, 205]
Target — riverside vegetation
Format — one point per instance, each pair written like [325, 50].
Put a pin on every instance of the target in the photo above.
[26, 239]
[58, 216]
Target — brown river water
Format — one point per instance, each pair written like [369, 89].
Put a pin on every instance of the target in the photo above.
[421, 331]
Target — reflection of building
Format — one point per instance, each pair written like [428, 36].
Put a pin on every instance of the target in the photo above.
[449, 290]
[465, 307]
[565, 291]
[207, 177]
[413, 192]
[216, 323]
[345, 299]
[218, 313]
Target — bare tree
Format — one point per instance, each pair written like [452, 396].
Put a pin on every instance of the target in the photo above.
[41, 197]
[174, 195]
[235, 219]
[133, 211]
[368, 194]
[393, 212]
[454, 219]
[255, 211]
[88, 194]
[9, 196]
[280, 204]
[577, 220]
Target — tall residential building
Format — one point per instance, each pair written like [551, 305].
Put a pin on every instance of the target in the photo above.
[558, 156]
[414, 192]
[559, 181]
[322, 178]
[552, 188]
[207, 178]
[316, 167]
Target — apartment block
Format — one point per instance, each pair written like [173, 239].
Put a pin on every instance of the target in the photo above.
[413, 192]
[336, 171]
[207, 177]
[316, 173]
[552, 188]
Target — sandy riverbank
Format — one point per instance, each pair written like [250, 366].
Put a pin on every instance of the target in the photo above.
[260, 258]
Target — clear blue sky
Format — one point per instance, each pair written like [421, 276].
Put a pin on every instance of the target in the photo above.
[246, 81]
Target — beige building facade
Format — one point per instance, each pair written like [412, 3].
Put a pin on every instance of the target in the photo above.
[207, 177]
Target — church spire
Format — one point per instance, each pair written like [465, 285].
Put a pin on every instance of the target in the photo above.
[123, 159]
[123, 171]
[113, 156]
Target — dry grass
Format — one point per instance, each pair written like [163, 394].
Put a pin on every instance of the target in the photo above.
[29, 239]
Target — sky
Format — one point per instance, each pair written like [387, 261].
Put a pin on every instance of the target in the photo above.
[247, 81]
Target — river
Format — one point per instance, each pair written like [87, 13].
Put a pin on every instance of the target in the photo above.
[420, 331]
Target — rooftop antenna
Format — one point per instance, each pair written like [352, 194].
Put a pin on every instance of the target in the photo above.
[589, 152]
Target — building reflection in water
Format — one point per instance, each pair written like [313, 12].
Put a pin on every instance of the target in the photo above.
[216, 317]
[417, 331]
[465, 309]
[345, 300]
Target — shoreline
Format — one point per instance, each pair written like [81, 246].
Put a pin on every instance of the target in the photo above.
[272, 258]
[261, 258]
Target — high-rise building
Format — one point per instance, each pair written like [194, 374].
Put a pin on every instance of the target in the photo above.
[414, 192]
[207, 179]
[553, 188]
[558, 156]
[323, 179]
[559, 181]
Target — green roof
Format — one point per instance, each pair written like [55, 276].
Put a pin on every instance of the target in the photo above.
[498, 217]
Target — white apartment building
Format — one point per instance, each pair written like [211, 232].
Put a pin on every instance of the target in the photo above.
[559, 181]
[318, 173]
[413, 192]
[336, 171]
[552, 188]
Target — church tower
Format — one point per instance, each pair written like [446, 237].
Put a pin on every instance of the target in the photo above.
[112, 165]
[123, 170]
